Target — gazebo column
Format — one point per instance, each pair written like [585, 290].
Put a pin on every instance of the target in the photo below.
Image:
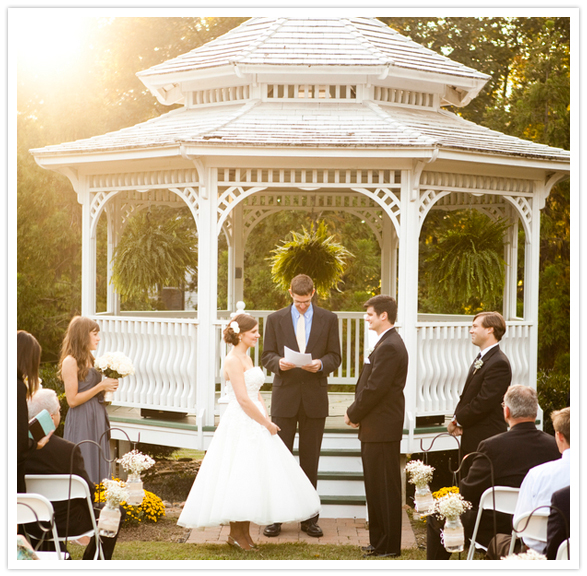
[236, 259]
[531, 281]
[114, 227]
[510, 287]
[207, 296]
[88, 307]
[408, 286]
[389, 245]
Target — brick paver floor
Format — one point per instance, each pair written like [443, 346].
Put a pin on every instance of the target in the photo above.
[336, 531]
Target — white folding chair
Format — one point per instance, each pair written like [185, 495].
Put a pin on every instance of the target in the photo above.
[506, 498]
[563, 550]
[530, 525]
[58, 488]
[36, 508]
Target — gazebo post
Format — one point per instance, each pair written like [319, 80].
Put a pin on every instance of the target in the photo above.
[114, 229]
[531, 280]
[207, 295]
[88, 307]
[510, 286]
[238, 240]
[388, 258]
[408, 285]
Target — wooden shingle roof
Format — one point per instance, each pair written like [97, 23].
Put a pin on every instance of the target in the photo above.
[334, 125]
[291, 42]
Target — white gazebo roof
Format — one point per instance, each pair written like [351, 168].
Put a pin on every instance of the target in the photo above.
[314, 42]
[365, 125]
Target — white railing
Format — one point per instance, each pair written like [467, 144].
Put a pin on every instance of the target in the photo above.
[351, 332]
[445, 354]
[163, 352]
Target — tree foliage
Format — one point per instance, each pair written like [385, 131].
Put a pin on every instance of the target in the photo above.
[313, 252]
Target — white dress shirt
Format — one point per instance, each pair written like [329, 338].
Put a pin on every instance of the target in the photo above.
[538, 487]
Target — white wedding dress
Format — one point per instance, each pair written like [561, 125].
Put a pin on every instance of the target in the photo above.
[248, 474]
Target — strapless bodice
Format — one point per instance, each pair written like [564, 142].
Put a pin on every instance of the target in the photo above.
[254, 379]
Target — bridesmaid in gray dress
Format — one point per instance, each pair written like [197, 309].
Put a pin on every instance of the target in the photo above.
[86, 418]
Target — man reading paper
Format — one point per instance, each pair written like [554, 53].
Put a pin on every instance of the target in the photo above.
[300, 395]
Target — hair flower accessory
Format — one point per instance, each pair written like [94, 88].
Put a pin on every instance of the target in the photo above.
[235, 327]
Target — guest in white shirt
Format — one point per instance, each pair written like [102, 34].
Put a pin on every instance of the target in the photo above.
[542, 481]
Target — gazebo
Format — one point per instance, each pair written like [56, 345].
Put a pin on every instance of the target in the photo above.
[335, 114]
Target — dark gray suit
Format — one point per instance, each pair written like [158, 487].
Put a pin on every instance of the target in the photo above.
[298, 396]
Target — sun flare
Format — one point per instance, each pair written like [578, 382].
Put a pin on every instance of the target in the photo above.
[46, 41]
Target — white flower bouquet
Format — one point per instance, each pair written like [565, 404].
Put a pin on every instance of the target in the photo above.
[528, 555]
[115, 491]
[420, 474]
[135, 462]
[114, 365]
[451, 506]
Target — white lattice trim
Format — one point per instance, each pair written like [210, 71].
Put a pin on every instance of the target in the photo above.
[390, 203]
[143, 180]
[336, 92]
[468, 182]
[409, 98]
[282, 177]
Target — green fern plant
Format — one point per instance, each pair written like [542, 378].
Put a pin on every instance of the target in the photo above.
[151, 254]
[313, 252]
[467, 262]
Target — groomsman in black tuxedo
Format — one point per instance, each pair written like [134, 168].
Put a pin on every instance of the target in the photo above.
[300, 395]
[479, 414]
[378, 412]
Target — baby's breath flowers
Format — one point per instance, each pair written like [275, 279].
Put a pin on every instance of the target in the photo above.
[114, 491]
[135, 462]
[451, 506]
[419, 473]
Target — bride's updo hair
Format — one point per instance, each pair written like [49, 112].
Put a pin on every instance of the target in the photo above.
[245, 323]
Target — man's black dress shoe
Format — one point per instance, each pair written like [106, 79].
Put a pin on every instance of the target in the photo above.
[312, 529]
[272, 530]
[374, 554]
[369, 548]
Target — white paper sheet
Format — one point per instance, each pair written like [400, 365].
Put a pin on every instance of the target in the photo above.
[296, 358]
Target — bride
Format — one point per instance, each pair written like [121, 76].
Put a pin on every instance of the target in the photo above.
[248, 474]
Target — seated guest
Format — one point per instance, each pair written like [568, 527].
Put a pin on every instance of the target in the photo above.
[56, 458]
[512, 454]
[542, 481]
[559, 521]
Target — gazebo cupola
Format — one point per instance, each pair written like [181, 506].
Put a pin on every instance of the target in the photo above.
[340, 114]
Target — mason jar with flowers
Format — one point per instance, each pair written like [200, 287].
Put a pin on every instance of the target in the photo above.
[114, 365]
[420, 475]
[115, 493]
[451, 507]
[134, 464]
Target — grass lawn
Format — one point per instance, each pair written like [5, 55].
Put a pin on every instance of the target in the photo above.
[293, 551]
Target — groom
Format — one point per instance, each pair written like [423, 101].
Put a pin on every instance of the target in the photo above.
[300, 395]
[378, 412]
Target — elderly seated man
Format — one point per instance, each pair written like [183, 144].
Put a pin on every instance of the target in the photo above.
[512, 454]
[56, 458]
